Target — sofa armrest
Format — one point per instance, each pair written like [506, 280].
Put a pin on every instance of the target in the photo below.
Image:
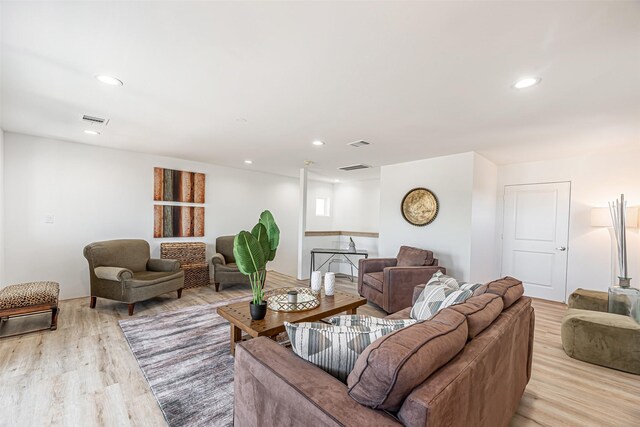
[115, 274]
[274, 386]
[584, 299]
[165, 265]
[399, 283]
[218, 259]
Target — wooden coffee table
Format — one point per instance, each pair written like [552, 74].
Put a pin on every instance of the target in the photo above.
[238, 316]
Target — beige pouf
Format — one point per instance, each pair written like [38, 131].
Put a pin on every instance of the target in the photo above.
[598, 337]
[30, 298]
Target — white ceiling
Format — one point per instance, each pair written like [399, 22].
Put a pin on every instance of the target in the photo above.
[417, 79]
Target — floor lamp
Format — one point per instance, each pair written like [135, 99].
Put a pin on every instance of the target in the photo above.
[601, 217]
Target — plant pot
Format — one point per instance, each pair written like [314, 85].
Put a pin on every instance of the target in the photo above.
[258, 311]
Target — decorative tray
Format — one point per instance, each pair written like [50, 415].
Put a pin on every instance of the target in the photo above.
[278, 300]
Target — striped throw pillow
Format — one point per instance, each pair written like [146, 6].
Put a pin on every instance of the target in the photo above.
[361, 320]
[439, 278]
[334, 349]
[434, 298]
[475, 288]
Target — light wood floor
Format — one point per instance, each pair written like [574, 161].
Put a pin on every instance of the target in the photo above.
[84, 374]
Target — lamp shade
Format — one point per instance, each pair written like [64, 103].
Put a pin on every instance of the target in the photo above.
[601, 217]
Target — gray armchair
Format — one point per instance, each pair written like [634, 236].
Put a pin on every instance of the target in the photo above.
[225, 269]
[123, 270]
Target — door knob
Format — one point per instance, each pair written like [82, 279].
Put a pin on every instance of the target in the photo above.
[561, 248]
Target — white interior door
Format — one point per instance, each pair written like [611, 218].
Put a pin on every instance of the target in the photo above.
[534, 238]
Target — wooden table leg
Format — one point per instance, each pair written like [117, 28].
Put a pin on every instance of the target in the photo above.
[353, 311]
[236, 336]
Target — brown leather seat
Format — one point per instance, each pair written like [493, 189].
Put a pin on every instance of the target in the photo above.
[389, 282]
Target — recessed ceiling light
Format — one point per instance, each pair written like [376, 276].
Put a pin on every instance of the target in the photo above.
[91, 132]
[317, 143]
[109, 80]
[526, 82]
[336, 180]
[249, 162]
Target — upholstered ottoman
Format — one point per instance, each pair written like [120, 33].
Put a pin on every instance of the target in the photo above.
[592, 335]
[29, 298]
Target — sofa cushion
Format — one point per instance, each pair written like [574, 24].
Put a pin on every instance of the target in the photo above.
[480, 311]
[391, 367]
[413, 257]
[362, 320]
[148, 278]
[334, 349]
[373, 280]
[509, 288]
[436, 297]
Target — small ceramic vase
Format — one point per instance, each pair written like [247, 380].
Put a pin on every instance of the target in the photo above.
[316, 282]
[329, 283]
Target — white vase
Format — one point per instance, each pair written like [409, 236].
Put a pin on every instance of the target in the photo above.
[329, 283]
[316, 282]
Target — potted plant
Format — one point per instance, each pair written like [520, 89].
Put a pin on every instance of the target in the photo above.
[252, 251]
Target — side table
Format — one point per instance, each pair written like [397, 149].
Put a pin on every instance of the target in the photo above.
[625, 301]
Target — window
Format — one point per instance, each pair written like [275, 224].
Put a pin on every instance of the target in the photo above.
[323, 207]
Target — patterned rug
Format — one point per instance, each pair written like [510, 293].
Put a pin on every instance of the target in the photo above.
[185, 358]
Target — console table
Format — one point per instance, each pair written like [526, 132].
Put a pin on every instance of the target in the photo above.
[333, 253]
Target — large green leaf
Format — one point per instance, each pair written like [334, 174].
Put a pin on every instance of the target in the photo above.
[260, 233]
[266, 218]
[248, 253]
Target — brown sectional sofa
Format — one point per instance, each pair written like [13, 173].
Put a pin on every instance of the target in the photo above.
[460, 368]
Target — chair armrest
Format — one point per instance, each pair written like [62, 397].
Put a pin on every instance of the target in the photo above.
[272, 384]
[218, 259]
[399, 283]
[165, 265]
[372, 265]
[115, 274]
[435, 262]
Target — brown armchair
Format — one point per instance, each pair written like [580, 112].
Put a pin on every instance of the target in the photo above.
[225, 269]
[389, 282]
[123, 270]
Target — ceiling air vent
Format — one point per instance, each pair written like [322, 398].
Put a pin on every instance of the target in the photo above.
[354, 167]
[95, 120]
[358, 144]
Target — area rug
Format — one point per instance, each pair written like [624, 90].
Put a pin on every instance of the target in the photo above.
[185, 358]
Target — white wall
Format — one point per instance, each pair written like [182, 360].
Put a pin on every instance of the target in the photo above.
[98, 194]
[449, 236]
[596, 178]
[483, 220]
[2, 271]
[315, 190]
[357, 206]
[462, 234]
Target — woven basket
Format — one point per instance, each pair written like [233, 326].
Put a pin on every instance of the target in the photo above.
[193, 260]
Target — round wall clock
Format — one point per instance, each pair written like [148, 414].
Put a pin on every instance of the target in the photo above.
[419, 207]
